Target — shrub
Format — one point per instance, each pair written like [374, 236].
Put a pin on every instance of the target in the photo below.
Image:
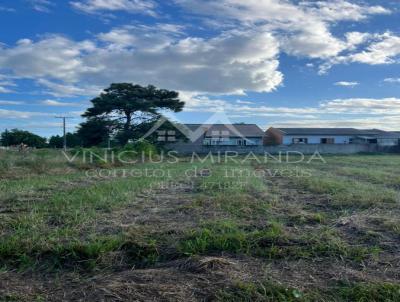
[142, 147]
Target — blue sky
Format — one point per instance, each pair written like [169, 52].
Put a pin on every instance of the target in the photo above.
[270, 62]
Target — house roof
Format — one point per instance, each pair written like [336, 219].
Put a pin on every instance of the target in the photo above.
[389, 135]
[232, 130]
[331, 131]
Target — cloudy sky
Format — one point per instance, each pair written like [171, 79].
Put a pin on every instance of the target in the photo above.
[271, 62]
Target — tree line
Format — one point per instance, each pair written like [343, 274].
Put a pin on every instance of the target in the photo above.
[122, 112]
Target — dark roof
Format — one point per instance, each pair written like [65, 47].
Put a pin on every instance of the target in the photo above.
[330, 131]
[372, 133]
[233, 130]
[391, 134]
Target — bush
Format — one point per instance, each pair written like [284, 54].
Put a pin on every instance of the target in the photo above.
[142, 147]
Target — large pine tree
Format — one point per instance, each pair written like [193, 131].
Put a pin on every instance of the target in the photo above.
[131, 105]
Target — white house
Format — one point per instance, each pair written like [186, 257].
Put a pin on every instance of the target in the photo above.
[290, 136]
[227, 134]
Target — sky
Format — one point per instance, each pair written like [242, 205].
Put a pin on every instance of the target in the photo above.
[283, 63]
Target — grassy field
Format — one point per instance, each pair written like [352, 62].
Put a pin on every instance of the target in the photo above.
[241, 230]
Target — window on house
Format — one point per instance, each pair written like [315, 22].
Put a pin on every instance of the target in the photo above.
[300, 140]
[166, 136]
[241, 142]
[329, 140]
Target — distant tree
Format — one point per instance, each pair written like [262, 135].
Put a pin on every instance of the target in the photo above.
[16, 137]
[95, 132]
[56, 141]
[131, 105]
[73, 140]
[5, 138]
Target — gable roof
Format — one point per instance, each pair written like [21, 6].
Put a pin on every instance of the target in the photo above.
[330, 131]
[371, 133]
[389, 135]
[233, 130]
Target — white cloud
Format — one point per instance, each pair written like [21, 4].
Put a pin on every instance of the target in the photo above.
[131, 6]
[53, 56]
[149, 38]
[6, 85]
[244, 102]
[241, 58]
[313, 44]
[303, 29]
[392, 80]
[384, 51]
[338, 10]
[11, 103]
[121, 37]
[7, 9]
[68, 90]
[381, 49]
[353, 112]
[55, 103]
[357, 112]
[273, 11]
[14, 114]
[340, 107]
[385, 106]
[233, 62]
[41, 5]
[347, 84]
[354, 39]
[5, 90]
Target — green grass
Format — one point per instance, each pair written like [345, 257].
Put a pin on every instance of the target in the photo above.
[271, 292]
[57, 219]
[272, 242]
[247, 292]
[60, 220]
[54, 218]
[348, 193]
[227, 236]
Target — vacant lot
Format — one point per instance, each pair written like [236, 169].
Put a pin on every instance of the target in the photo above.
[242, 230]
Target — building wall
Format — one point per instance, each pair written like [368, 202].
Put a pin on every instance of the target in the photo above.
[316, 139]
[187, 149]
[231, 141]
[388, 141]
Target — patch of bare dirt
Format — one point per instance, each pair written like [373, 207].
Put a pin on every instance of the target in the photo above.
[169, 210]
[291, 196]
[319, 273]
[193, 279]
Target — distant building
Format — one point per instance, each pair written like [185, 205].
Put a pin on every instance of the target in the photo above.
[227, 134]
[382, 138]
[290, 136]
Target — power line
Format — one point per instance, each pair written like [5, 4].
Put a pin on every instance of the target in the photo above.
[64, 118]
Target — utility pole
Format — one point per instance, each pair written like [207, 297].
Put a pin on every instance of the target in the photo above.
[64, 118]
